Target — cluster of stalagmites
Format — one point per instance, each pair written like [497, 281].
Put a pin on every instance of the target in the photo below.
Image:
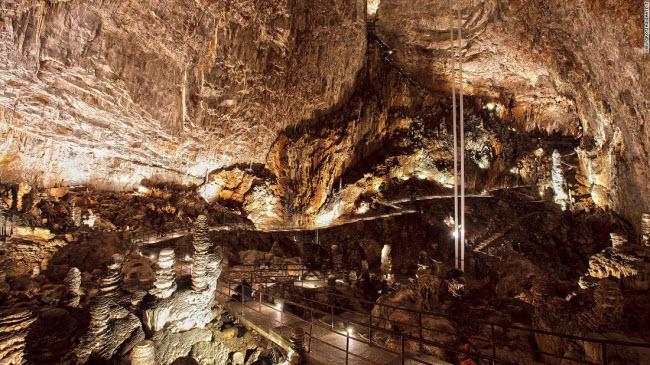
[14, 323]
[113, 328]
[182, 310]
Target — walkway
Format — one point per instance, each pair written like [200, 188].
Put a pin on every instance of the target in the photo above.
[327, 341]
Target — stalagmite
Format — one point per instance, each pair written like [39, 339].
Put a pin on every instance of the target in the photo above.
[73, 283]
[76, 215]
[559, 182]
[14, 323]
[110, 283]
[165, 283]
[337, 261]
[143, 353]
[2, 224]
[386, 263]
[645, 229]
[617, 239]
[201, 245]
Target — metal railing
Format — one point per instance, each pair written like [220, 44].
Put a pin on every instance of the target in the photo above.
[371, 326]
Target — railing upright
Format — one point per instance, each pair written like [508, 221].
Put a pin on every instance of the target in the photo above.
[347, 343]
[311, 327]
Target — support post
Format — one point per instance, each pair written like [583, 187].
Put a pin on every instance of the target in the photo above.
[311, 327]
[402, 352]
[347, 346]
[604, 354]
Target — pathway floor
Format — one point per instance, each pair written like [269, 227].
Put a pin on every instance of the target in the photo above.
[327, 345]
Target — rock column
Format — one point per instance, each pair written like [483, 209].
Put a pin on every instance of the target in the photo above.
[337, 261]
[73, 282]
[201, 245]
[143, 353]
[2, 224]
[645, 229]
[76, 215]
[165, 283]
[14, 323]
[386, 263]
[559, 181]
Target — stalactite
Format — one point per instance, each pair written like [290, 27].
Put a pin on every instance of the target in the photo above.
[201, 245]
[165, 283]
[73, 284]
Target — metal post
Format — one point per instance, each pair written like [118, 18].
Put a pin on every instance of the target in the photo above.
[420, 324]
[242, 299]
[311, 326]
[370, 328]
[332, 314]
[453, 98]
[347, 346]
[260, 306]
[604, 348]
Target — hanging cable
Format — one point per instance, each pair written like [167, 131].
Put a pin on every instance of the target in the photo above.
[453, 112]
[462, 142]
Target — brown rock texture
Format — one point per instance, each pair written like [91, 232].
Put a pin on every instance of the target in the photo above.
[574, 67]
[171, 88]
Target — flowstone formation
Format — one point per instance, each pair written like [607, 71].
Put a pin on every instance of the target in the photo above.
[189, 308]
[624, 262]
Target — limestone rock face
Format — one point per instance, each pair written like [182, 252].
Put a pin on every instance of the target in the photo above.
[168, 89]
[14, 323]
[540, 75]
[165, 283]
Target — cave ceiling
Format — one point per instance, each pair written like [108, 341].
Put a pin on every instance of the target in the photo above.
[111, 92]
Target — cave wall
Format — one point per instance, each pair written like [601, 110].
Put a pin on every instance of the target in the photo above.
[575, 67]
[114, 91]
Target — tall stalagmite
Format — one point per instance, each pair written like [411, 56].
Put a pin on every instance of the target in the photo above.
[73, 284]
[559, 182]
[165, 283]
[201, 245]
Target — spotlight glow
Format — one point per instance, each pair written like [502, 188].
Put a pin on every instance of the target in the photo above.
[349, 331]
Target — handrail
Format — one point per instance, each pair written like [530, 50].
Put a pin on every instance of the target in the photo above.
[603, 342]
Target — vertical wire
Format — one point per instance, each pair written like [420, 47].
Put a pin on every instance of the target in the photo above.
[453, 112]
[462, 141]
